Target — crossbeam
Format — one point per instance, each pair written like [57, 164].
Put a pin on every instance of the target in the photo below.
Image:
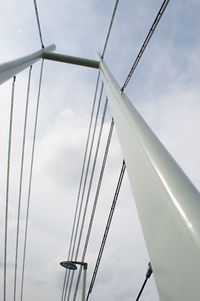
[10, 69]
[70, 59]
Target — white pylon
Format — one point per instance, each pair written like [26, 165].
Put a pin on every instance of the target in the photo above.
[167, 202]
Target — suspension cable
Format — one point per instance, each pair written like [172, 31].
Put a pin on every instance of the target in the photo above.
[149, 35]
[95, 204]
[38, 23]
[66, 277]
[21, 180]
[92, 175]
[67, 273]
[30, 180]
[91, 180]
[8, 186]
[86, 177]
[110, 27]
[148, 275]
[103, 52]
[107, 228]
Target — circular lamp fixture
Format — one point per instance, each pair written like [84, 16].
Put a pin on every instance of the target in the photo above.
[69, 265]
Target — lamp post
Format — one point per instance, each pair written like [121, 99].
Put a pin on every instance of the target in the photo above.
[71, 265]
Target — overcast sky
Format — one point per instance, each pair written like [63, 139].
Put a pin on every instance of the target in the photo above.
[164, 88]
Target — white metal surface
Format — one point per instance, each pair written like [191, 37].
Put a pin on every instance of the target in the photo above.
[167, 202]
[10, 69]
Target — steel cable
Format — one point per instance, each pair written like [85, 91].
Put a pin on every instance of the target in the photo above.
[38, 23]
[92, 176]
[30, 180]
[86, 176]
[148, 275]
[110, 27]
[149, 35]
[66, 277]
[90, 185]
[103, 165]
[103, 52]
[95, 204]
[107, 228]
[21, 180]
[8, 186]
[67, 273]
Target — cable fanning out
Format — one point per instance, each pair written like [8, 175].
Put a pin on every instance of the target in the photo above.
[110, 27]
[8, 187]
[30, 181]
[38, 23]
[107, 228]
[149, 35]
[91, 178]
[95, 204]
[86, 176]
[21, 180]
[67, 273]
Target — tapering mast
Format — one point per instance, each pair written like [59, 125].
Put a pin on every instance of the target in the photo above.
[167, 202]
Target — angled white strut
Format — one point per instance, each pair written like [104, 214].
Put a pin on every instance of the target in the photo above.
[167, 202]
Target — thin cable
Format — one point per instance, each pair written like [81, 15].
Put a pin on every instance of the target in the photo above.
[86, 176]
[90, 126]
[148, 275]
[8, 186]
[103, 52]
[149, 35]
[66, 277]
[88, 165]
[107, 228]
[92, 175]
[84, 187]
[65, 284]
[30, 180]
[95, 204]
[38, 23]
[91, 178]
[104, 49]
[21, 180]
[110, 27]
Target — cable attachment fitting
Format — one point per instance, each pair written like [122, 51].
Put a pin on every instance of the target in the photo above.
[148, 274]
[149, 271]
[122, 90]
